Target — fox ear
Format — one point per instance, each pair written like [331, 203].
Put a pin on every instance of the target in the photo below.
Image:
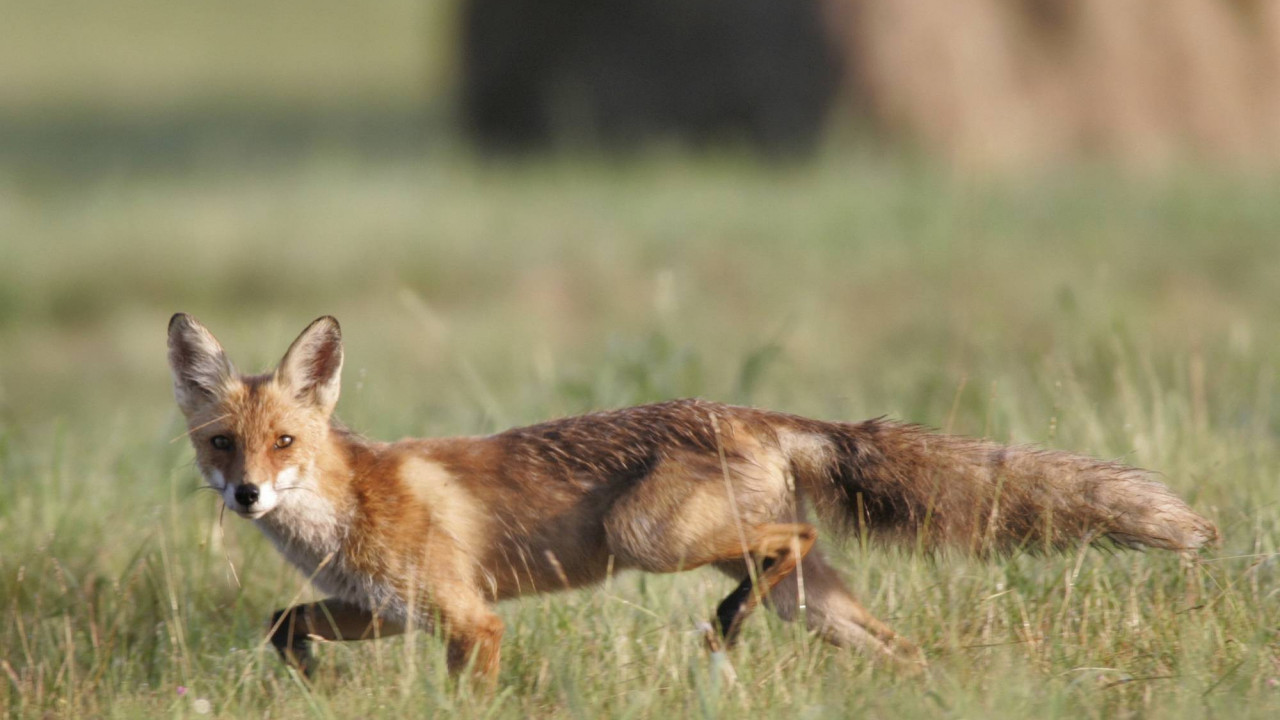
[312, 367]
[201, 370]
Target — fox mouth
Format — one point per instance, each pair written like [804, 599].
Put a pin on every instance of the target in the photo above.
[253, 512]
[251, 504]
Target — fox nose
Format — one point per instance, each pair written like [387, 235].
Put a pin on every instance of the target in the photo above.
[247, 494]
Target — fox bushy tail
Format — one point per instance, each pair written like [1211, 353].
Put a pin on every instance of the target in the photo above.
[902, 482]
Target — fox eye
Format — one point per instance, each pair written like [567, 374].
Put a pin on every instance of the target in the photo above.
[221, 442]
[284, 441]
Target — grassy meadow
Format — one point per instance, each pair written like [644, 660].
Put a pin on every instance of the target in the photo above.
[258, 166]
[1124, 318]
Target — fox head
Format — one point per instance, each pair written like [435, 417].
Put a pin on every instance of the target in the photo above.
[256, 436]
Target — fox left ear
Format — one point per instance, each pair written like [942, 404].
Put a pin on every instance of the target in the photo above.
[201, 371]
[312, 367]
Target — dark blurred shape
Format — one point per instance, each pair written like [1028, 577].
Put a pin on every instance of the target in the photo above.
[621, 72]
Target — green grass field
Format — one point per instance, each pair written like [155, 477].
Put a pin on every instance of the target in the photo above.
[1131, 319]
[259, 164]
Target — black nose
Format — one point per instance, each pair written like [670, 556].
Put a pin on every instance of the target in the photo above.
[247, 495]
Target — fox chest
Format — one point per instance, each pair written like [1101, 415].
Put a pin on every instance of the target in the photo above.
[317, 546]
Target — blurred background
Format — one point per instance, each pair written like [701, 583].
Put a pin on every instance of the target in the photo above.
[506, 201]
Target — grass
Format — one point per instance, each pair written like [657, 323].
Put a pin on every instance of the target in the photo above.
[146, 57]
[1122, 318]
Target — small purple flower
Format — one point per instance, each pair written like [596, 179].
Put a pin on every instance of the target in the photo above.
[182, 690]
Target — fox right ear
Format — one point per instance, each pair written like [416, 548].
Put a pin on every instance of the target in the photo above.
[312, 367]
[201, 370]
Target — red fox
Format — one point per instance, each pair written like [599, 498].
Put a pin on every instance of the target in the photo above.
[433, 532]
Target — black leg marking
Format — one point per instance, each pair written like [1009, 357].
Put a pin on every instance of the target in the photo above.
[729, 612]
[294, 647]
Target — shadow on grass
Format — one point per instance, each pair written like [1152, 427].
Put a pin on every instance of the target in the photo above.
[75, 142]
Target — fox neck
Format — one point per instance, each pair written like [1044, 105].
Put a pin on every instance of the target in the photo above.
[310, 524]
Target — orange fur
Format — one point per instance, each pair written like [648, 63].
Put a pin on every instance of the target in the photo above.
[409, 533]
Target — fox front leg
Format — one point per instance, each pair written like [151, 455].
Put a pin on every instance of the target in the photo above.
[292, 629]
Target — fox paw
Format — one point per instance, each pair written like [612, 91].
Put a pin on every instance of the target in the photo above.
[294, 648]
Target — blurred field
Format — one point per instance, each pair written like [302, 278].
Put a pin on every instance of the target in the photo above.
[149, 55]
[1125, 317]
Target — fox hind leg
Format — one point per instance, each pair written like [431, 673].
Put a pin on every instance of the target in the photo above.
[831, 610]
[778, 548]
[668, 525]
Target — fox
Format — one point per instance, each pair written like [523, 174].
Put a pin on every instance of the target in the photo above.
[433, 533]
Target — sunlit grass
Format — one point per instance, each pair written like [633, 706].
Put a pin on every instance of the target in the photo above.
[1128, 319]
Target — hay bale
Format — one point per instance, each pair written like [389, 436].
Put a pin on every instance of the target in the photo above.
[1018, 82]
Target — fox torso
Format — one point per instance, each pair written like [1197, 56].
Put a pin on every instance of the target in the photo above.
[528, 509]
